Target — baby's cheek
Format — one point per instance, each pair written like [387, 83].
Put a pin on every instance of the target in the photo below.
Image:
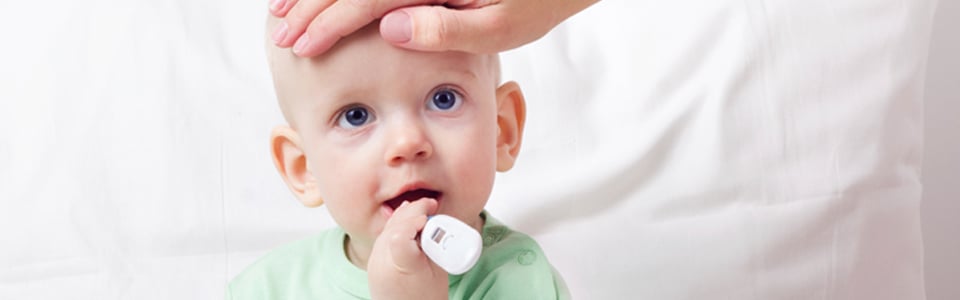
[477, 169]
[343, 186]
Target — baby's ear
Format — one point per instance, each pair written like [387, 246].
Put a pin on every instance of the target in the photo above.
[511, 114]
[291, 162]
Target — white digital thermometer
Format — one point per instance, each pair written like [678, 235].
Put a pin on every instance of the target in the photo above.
[451, 244]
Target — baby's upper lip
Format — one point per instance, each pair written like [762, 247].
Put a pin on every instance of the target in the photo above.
[410, 187]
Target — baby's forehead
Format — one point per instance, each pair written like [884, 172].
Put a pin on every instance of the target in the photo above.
[363, 64]
[365, 51]
[365, 48]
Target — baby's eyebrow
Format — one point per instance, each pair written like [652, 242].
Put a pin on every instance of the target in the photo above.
[327, 104]
[341, 95]
[469, 73]
[458, 76]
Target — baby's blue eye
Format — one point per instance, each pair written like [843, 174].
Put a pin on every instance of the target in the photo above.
[444, 99]
[354, 117]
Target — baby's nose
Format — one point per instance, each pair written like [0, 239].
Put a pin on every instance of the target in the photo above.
[406, 144]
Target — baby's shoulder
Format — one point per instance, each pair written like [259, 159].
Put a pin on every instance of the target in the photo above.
[296, 254]
[298, 260]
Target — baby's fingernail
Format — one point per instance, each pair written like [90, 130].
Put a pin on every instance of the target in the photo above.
[276, 5]
[396, 27]
[301, 43]
[404, 203]
[279, 33]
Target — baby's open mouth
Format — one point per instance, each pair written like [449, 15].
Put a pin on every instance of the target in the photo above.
[412, 195]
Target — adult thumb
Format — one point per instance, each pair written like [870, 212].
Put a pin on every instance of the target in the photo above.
[438, 28]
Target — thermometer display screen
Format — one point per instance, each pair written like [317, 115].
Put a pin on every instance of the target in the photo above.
[438, 235]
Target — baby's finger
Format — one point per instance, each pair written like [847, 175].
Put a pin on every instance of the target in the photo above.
[410, 217]
[402, 229]
[423, 206]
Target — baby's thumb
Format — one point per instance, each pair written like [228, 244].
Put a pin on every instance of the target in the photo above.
[438, 28]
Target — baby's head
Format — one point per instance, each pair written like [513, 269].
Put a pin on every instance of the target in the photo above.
[372, 125]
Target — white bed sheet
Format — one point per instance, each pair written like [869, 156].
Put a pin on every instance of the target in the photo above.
[674, 149]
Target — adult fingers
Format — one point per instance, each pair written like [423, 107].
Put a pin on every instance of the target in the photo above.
[481, 26]
[279, 8]
[343, 18]
[297, 19]
[436, 28]
[461, 4]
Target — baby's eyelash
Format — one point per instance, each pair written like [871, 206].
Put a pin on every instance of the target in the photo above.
[451, 87]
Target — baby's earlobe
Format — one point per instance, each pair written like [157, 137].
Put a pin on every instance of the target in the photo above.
[311, 196]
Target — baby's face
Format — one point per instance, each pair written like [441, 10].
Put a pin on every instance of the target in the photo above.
[380, 125]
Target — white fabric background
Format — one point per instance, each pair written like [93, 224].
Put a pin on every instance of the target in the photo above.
[941, 164]
[674, 150]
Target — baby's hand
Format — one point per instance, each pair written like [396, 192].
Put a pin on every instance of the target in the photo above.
[397, 268]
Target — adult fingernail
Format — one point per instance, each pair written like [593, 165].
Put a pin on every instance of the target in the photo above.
[396, 27]
[276, 5]
[301, 43]
[280, 32]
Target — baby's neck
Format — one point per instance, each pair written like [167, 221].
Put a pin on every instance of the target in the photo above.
[356, 253]
[477, 223]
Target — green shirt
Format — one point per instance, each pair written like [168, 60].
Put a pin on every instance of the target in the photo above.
[511, 266]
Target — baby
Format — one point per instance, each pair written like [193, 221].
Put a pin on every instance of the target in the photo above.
[386, 137]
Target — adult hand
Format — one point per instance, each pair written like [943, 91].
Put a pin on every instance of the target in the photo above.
[479, 26]
[397, 268]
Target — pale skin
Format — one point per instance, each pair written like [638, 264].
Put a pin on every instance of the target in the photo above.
[366, 125]
[311, 27]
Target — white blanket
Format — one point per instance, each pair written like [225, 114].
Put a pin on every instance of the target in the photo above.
[674, 149]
